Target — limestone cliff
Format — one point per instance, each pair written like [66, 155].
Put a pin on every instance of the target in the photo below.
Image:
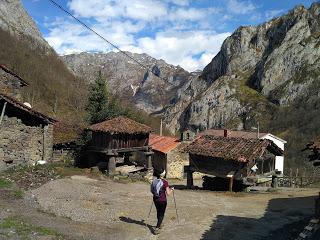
[259, 70]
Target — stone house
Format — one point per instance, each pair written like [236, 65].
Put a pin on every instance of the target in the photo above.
[25, 134]
[10, 83]
[168, 155]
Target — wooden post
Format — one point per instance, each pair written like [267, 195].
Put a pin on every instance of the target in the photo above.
[189, 178]
[317, 206]
[2, 112]
[230, 182]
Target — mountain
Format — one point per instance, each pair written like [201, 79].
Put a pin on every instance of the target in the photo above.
[155, 90]
[53, 89]
[267, 74]
[15, 20]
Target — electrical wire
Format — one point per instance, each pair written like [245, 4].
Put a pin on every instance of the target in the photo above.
[106, 40]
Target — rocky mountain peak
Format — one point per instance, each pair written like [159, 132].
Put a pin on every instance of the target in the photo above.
[156, 86]
[265, 66]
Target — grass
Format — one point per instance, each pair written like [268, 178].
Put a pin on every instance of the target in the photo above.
[26, 230]
[5, 183]
[17, 193]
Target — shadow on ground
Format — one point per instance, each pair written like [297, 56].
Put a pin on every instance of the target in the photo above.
[284, 218]
[138, 222]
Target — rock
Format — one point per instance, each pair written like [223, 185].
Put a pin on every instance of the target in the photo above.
[122, 72]
[257, 67]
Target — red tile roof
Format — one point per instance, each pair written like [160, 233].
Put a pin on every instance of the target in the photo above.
[231, 133]
[120, 125]
[21, 106]
[231, 148]
[163, 144]
[66, 133]
[6, 69]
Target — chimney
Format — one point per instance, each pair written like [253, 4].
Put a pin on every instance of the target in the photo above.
[226, 132]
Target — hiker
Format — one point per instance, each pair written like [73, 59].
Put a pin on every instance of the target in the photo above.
[160, 189]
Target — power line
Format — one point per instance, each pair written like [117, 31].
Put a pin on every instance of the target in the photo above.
[103, 38]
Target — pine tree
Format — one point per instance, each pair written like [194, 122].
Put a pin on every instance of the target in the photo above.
[98, 100]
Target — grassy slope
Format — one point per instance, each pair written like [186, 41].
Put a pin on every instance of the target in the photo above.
[53, 89]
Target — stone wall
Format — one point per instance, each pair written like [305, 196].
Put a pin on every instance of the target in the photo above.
[176, 160]
[20, 143]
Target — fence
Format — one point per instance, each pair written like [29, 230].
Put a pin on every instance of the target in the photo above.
[297, 182]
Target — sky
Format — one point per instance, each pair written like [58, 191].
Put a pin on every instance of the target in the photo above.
[181, 32]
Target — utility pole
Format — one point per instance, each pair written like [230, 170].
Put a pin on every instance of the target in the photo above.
[161, 127]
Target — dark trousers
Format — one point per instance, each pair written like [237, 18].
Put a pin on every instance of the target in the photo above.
[161, 209]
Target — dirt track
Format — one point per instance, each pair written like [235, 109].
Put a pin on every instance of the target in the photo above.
[83, 208]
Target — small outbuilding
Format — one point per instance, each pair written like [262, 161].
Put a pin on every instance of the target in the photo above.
[237, 158]
[116, 139]
[168, 155]
[26, 136]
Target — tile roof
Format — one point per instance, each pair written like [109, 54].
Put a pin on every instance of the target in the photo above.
[120, 125]
[14, 102]
[231, 148]
[313, 145]
[163, 144]
[66, 133]
[6, 69]
[232, 133]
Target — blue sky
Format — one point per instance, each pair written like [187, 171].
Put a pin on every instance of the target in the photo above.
[182, 32]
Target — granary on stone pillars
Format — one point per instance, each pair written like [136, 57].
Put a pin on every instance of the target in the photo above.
[279, 163]
[115, 140]
[230, 157]
[25, 135]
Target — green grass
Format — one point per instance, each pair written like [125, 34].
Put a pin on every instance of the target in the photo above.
[26, 230]
[17, 194]
[5, 183]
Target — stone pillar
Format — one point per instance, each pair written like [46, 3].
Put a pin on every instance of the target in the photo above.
[274, 182]
[148, 163]
[111, 156]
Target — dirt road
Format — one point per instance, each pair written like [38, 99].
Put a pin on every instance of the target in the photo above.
[83, 208]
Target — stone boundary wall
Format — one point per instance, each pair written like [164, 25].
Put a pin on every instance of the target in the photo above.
[23, 144]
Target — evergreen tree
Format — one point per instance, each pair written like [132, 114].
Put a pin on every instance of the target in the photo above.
[98, 100]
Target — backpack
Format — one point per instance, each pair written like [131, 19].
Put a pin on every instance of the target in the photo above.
[156, 186]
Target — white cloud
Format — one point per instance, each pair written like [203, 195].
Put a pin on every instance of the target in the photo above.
[103, 10]
[184, 48]
[240, 7]
[163, 29]
[273, 13]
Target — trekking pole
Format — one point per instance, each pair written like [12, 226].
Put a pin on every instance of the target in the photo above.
[150, 209]
[175, 205]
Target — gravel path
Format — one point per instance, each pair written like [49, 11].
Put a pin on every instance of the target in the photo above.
[120, 208]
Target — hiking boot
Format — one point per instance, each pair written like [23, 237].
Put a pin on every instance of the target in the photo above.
[156, 231]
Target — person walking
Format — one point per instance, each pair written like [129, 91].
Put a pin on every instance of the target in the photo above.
[160, 189]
